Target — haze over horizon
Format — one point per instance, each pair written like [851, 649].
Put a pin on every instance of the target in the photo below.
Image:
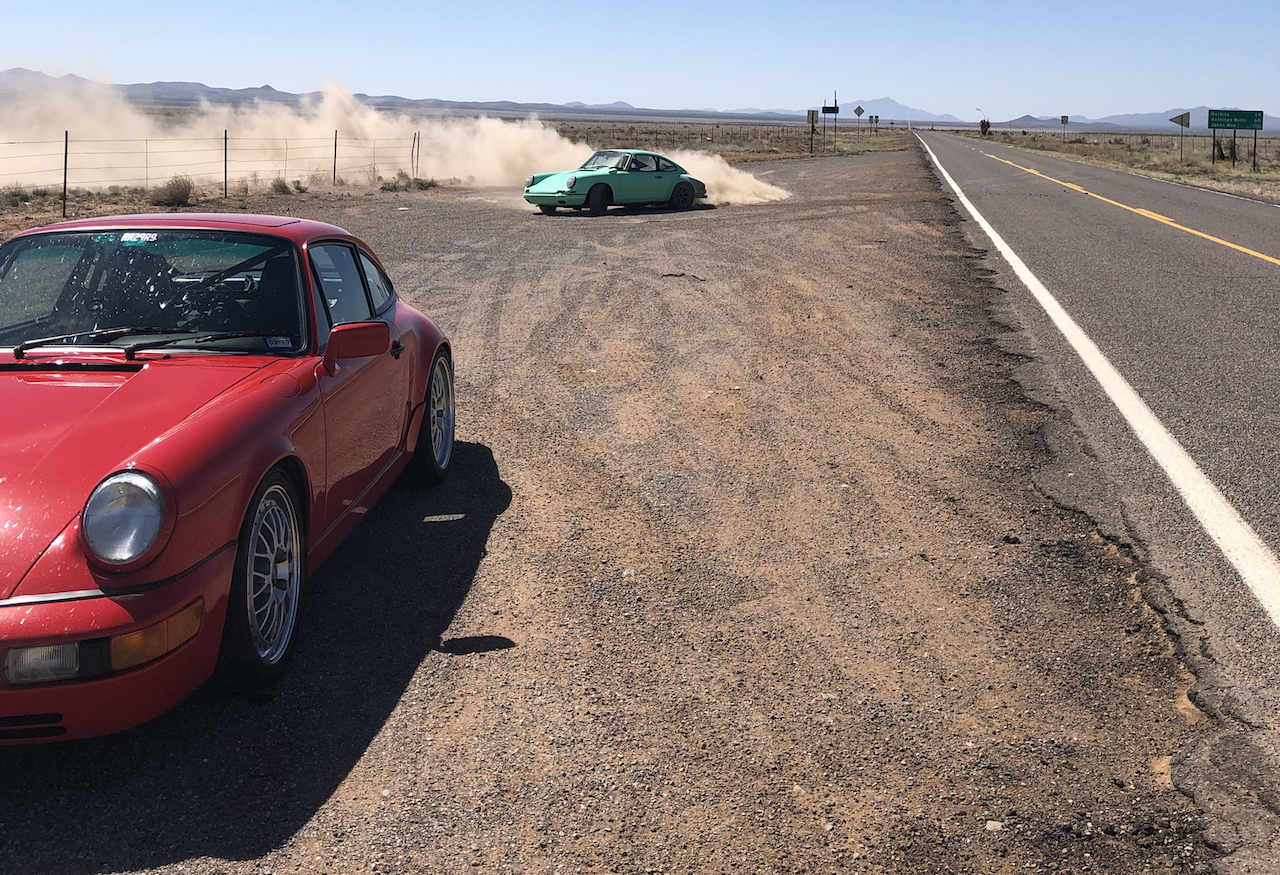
[999, 59]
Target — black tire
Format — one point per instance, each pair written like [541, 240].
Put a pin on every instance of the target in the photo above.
[682, 196]
[547, 209]
[434, 450]
[266, 588]
[598, 199]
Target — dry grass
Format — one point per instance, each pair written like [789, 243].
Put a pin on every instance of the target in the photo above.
[1156, 155]
[735, 143]
[177, 192]
[22, 207]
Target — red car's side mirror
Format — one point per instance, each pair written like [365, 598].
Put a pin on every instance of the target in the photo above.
[355, 340]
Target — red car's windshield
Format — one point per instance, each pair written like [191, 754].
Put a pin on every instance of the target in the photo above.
[216, 290]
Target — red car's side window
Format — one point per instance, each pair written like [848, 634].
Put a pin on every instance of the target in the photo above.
[340, 283]
[380, 291]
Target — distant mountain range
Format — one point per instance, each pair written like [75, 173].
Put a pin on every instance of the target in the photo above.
[1153, 121]
[19, 81]
[885, 107]
[193, 94]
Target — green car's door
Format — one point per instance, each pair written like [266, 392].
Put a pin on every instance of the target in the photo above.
[643, 182]
[667, 177]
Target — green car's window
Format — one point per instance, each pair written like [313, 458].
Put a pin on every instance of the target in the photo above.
[666, 166]
[643, 163]
[605, 159]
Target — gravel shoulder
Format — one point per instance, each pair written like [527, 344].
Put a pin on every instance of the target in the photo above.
[743, 569]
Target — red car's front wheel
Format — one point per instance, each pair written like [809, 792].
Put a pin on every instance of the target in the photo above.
[262, 610]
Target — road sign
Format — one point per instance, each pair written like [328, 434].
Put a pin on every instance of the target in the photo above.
[1184, 119]
[1064, 119]
[831, 110]
[858, 111]
[813, 116]
[1235, 120]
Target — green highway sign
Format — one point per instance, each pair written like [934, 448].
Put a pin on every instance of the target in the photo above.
[1235, 120]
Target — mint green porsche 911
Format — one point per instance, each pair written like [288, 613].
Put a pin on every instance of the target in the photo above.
[615, 176]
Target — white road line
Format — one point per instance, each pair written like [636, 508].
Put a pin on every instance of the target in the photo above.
[1237, 540]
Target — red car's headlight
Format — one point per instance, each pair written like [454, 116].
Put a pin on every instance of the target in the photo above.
[123, 517]
[79, 660]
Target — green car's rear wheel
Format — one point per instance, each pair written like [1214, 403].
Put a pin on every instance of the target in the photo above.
[681, 196]
[598, 199]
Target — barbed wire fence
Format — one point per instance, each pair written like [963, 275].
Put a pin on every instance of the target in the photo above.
[219, 162]
[70, 163]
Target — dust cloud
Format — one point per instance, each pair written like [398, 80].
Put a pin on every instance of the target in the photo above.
[110, 142]
[725, 184]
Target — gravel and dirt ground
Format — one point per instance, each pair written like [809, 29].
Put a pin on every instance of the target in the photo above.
[742, 569]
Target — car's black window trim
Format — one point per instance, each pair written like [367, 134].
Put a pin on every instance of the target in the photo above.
[89, 262]
[364, 283]
[391, 300]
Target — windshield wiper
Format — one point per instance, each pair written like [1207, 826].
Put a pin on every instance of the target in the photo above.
[20, 350]
[134, 348]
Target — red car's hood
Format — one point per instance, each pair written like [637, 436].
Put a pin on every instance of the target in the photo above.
[64, 430]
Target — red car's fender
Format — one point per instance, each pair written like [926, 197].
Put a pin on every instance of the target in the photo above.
[210, 464]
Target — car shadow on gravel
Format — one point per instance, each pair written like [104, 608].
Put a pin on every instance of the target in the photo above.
[222, 777]
[655, 210]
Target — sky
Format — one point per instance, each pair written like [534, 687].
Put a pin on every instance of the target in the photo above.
[998, 59]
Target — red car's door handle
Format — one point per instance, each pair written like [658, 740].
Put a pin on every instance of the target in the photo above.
[396, 349]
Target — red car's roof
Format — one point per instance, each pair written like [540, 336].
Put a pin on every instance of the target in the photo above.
[297, 230]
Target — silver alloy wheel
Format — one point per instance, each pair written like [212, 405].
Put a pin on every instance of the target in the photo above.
[440, 412]
[274, 574]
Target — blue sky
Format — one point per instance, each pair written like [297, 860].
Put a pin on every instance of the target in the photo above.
[1079, 57]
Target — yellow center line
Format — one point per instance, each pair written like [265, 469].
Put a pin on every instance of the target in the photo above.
[1165, 220]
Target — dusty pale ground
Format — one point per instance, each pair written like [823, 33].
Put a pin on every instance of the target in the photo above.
[741, 569]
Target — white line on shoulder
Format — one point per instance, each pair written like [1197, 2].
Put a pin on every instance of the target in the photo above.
[1252, 559]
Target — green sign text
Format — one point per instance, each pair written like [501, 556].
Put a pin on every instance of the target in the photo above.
[1235, 119]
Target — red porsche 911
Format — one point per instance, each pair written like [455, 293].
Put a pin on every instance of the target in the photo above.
[197, 410]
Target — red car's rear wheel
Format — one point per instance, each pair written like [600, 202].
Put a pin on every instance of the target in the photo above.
[434, 452]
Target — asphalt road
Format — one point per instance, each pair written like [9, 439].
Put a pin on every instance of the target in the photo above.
[1191, 322]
